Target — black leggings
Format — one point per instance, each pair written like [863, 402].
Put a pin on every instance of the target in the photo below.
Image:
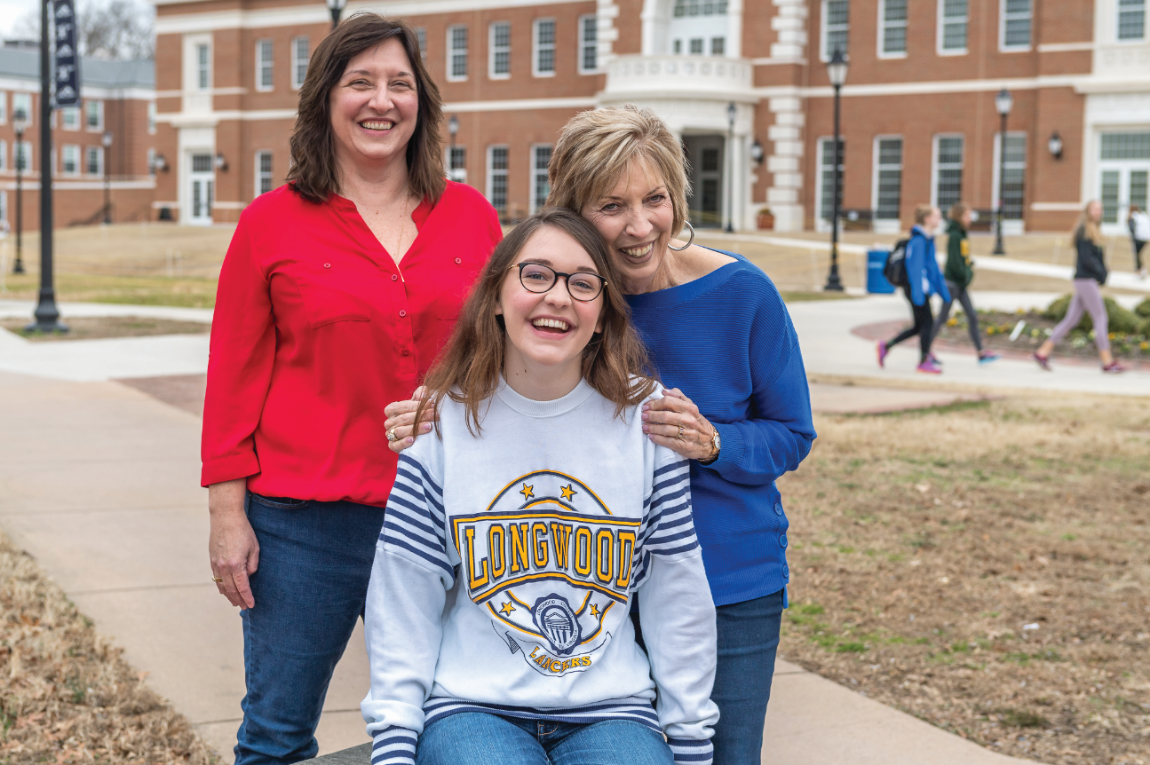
[923, 325]
[962, 296]
[1138, 245]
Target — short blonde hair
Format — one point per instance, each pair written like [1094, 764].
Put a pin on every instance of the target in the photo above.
[921, 213]
[596, 147]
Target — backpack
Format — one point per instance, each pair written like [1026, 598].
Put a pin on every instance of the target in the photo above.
[895, 267]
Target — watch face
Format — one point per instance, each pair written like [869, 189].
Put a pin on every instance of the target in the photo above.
[718, 445]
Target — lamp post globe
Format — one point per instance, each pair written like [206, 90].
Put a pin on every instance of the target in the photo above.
[732, 112]
[336, 7]
[106, 140]
[19, 125]
[1003, 102]
[837, 74]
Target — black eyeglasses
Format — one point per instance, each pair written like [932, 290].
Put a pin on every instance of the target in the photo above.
[583, 286]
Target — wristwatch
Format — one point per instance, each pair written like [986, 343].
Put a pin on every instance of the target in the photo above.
[716, 444]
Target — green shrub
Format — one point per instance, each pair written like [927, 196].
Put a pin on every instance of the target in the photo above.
[1119, 318]
[1143, 309]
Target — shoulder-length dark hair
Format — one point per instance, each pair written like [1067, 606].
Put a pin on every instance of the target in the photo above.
[615, 362]
[314, 173]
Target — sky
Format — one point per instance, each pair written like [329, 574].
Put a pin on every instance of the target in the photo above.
[11, 11]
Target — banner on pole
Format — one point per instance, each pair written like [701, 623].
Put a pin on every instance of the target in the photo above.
[67, 54]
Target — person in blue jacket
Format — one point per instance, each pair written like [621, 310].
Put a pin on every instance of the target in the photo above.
[923, 279]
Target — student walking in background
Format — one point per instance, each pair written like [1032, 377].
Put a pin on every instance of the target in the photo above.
[1139, 235]
[959, 273]
[1089, 275]
[923, 279]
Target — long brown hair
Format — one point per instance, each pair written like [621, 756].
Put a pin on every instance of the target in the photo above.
[314, 173]
[1087, 225]
[615, 363]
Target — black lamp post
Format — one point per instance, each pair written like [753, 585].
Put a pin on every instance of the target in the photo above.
[107, 141]
[732, 110]
[1002, 102]
[837, 72]
[47, 314]
[19, 124]
[336, 7]
[452, 130]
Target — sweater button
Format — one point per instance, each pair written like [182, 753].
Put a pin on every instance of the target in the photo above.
[394, 277]
[783, 541]
[786, 571]
[778, 509]
[402, 313]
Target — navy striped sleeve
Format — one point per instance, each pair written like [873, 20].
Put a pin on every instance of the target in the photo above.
[394, 746]
[669, 528]
[690, 751]
[413, 524]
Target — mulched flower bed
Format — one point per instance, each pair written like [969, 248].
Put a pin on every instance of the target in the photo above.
[998, 329]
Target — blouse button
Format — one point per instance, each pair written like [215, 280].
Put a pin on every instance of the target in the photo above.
[394, 277]
[406, 352]
[327, 265]
[458, 261]
[402, 313]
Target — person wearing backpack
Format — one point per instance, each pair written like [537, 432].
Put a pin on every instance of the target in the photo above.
[959, 273]
[923, 279]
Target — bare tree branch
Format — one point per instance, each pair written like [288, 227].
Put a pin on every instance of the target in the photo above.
[115, 30]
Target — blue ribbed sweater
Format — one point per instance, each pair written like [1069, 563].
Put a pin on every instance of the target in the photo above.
[726, 340]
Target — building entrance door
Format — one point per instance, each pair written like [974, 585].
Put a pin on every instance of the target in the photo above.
[202, 180]
[705, 203]
[1123, 178]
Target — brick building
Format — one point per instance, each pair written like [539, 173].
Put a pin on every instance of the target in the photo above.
[117, 100]
[743, 82]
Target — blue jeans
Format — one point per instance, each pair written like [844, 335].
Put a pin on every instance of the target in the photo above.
[310, 588]
[478, 738]
[748, 639]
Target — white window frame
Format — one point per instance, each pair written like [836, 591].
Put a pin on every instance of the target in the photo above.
[882, 27]
[29, 113]
[505, 173]
[882, 225]
[297, 60]
[940, 31]
[4, 205]
[3, 155]
[934, 167]
[824, 52]
[3, 107]
[492, 50]
[265, 65]
[584, 44]
[260, 177]
[70, 117]
[1118, 24]
[453, 52]
[98, 153]
[458, 174]
[1011, 166]
[421, 39]
[29, 163]
[538, 48]
[1002, 46]
[533, 203]
[151, 160]
[203, 66]
[822, 224]
[99, 108]
[65, 150]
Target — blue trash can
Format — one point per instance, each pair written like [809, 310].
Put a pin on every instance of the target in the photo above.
[875, 280]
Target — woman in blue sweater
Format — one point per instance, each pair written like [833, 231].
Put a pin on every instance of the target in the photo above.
[738, 404]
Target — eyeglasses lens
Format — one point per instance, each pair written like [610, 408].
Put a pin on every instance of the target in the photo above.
[539, 278]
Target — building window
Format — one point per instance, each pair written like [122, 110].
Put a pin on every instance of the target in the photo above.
[151, 117]
[952, 23]
[1126, 146]
[203, 67]
[457, 163]
[23, 158]
[70, 117]
[300, 55]
[588, 44]
[3, 155]
[3, 107]
[836, 18]
[499, 47]
[264, 65]
[948, 151]
[1015, 28]
[3, 205]
[421, 38]
[1014, 174]
[71, 159]
[22, 103]
[94, 115]
[540, 187]
[544, 48]
[718, 46]
[697, 46]
[826, 178]
[700, 8]
[264, 182]
[456, 53]
[94, 160]
[892, 28]
[678, 47]
[497, 178]
[151, 161]
[1131, 19]
[888, 178]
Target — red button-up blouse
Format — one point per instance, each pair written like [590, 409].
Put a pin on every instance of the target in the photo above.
[316, 330]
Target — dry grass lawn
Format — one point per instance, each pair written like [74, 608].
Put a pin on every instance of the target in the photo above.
[95, 327]
[986, 568]
[66, 695]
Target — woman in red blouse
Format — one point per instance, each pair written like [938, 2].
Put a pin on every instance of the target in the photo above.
[337, 292]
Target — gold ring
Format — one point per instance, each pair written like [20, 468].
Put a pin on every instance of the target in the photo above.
[680, 432]
[217, 579]
[391, 435]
